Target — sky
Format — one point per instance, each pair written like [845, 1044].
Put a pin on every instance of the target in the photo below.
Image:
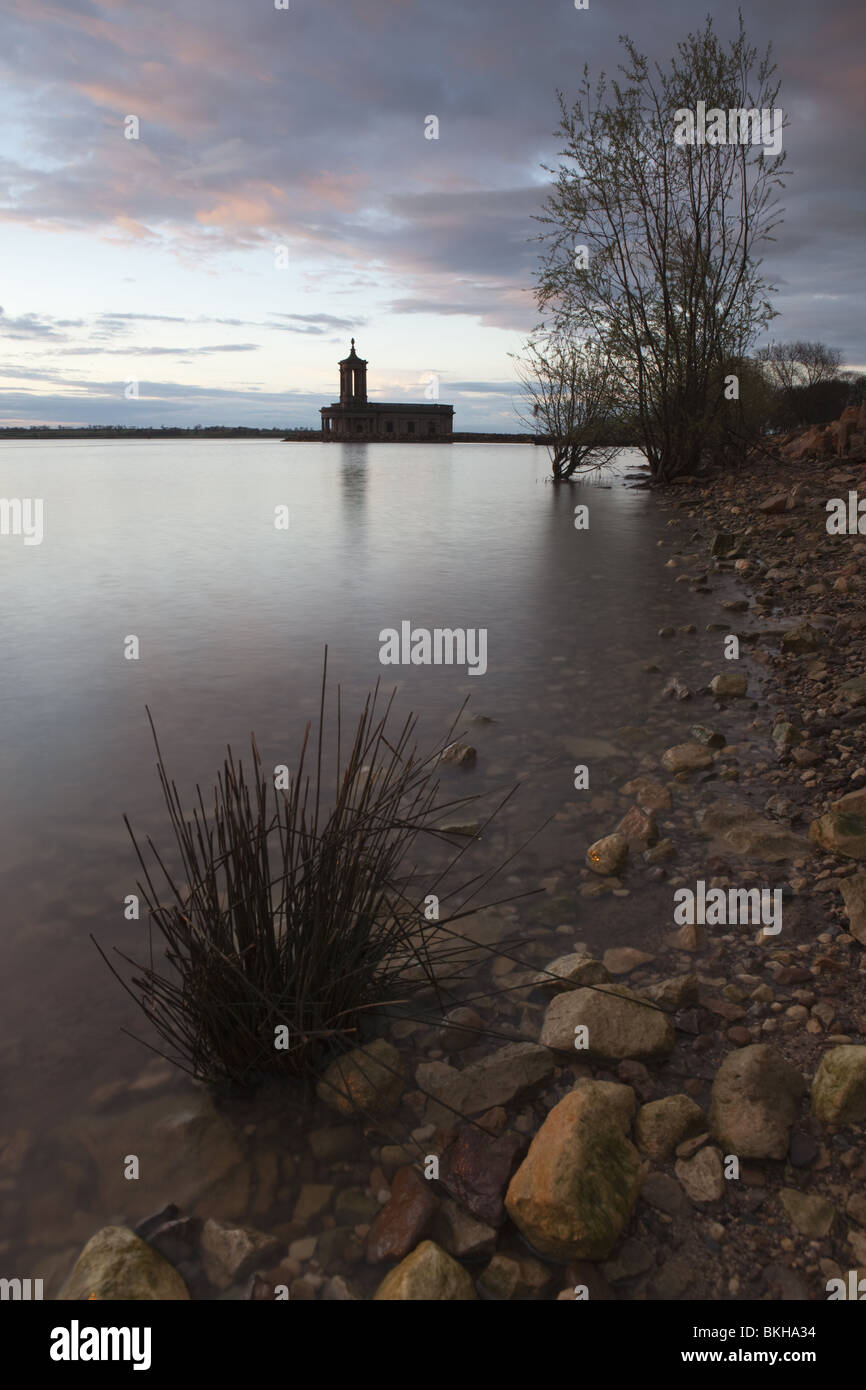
[281, 195]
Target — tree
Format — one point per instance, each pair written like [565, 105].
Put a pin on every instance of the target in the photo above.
[807, 379]
[651, 241]
[567, 397]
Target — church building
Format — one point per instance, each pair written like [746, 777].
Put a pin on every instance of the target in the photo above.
[354, 417]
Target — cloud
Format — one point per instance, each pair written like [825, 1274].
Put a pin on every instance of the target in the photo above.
[35, 326]
[138, 351]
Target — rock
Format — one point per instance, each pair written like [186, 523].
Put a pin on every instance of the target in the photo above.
[842, 830]
[649, 794]
[663, 1124]
[366, 1081]
[607, 855]
[723, 543]
[394, 1156]
[671, 1281]
[461, 1234]
[678, 688]
[803, 638]
[620, 1024]
[812, 1216]
[754, 1102]
[621, 960]
[803, 1150]
[469, 828]
[701, 734]
[631, 1259]
[664, 1194]
[687, 757]
[333, 1142]
[509, 1279]
[839, 1087]
[777, 503]
[429, 1274]
[660, 852]
[460, 1028]
[405, 1217]
[692, 936]
[750, 835]
[498, 1079]
[14, 1152]
[106, 1095]
[354, 1207]
[336, 1290]
[459, 755]
[856, 1208]
[785, 735]
[638, 829]
[784, 1286]
[568, 972]
[475, 1168]
[232, 1252]
[313, 1199]
[176, 1240]
[116, 1265]
[146, 1228]
[619, 1098]
[677, 992]
[730, 685]
[574, 1193]
[702, 1177]
[853, 892]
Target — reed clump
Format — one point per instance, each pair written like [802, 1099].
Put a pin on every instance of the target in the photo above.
[288, 917]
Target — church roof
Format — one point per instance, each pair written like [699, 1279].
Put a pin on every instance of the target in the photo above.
[353, 357]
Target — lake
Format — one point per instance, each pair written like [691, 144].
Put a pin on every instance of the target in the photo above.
[174, 543]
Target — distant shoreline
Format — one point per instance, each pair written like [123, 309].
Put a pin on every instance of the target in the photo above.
[303, 436]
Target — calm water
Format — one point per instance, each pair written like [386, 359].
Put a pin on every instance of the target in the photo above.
[175, 542]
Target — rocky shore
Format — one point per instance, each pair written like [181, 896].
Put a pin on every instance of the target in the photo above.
[680, 1116]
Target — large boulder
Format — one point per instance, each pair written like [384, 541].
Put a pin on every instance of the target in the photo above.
[117, 1266]
[842, 830]
[839, 1087]
[366, 1081]
[574, 1193]
[619, 1024]
[429, 1275]
[620, 1099]
[755, 1098]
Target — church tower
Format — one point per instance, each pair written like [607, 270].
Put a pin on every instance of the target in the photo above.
[353, 379]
